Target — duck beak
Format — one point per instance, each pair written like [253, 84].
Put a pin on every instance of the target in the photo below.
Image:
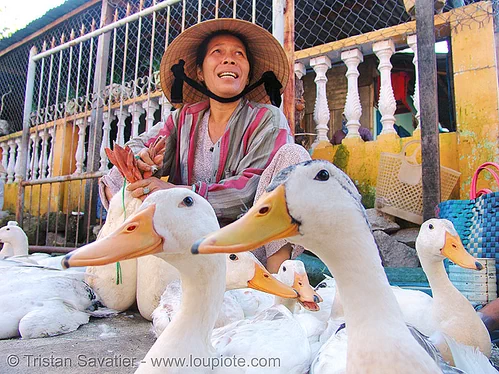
[266, 221]
[308, 298]
[135, 238]
[454, 250]
[265, 282]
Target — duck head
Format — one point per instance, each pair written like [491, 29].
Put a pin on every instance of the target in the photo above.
[245, 271]
[438, 239]
[165, 224]
[293, 273]
[14, 239]
[302, 203]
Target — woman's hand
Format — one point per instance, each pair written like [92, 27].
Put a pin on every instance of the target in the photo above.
[144, 187]
[147, 164]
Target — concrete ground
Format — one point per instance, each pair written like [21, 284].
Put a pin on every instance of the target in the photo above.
[107, 345]
[103, 346]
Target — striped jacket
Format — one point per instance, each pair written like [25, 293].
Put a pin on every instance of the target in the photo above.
[253, 135]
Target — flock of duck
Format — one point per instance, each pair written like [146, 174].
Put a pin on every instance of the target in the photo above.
[216, 300]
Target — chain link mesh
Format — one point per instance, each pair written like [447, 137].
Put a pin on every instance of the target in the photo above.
[320, 22]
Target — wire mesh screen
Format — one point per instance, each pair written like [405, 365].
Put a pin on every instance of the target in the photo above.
[13, 66]
[321, 22]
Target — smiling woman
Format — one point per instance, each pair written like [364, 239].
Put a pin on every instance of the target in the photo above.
[223, 139]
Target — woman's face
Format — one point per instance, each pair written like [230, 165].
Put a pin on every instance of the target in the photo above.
[225, 67]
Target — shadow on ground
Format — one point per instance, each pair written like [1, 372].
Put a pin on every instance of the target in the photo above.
[109, 345]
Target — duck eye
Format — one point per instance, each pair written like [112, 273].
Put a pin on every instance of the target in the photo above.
[188, 201]
[284, 268]
[322, 175]
[431, 227]
[233, 257]
[8, 229]
[322, 285]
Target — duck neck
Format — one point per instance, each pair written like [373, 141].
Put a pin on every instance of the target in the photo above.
[203, 287]
[368, 302]
[441, 286]
[290, 304]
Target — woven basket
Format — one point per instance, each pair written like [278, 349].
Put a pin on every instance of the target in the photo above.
[399, 190]
[477, 220]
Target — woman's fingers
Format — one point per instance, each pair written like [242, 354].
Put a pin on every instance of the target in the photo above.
[145, 155]
[158, 160]
[138, 194]
[147, 186]
[143, 166]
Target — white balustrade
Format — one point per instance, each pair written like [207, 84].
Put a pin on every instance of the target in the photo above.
[300, 70]
[321, 65]
[44, 135]
[107, 118]
[5, 160]
[18, 167]
[353, 109]
[50, 160]
[12, 161]
[135, 110]
[412, 41]
[80, 150]
[34, 158]
[150, 107]
[166, 108]
[122, 115]
[387, 104]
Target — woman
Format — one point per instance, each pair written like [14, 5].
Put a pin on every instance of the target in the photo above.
[225, 135]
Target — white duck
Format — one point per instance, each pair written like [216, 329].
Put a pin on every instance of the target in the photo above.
[16, 248]
[316, 205]
[293, 274]
[243, 272]
[144, 279]
[448, 312]
[154, 229]
[451, 313]
[14, 239]
[36, 301]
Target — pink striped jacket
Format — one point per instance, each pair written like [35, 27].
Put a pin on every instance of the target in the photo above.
[253, 135]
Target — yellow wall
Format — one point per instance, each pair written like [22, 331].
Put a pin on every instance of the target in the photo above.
[476, 94]
[360, 159]
[60, 196]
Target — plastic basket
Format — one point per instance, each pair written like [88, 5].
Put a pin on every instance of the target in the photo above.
[399, 190]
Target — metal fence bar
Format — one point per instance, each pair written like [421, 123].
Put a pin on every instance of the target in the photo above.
[183, 15]
[64, 178]
[107, 28]
[30, 81]
[150, 72]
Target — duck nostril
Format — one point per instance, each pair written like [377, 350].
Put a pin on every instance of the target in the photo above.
[266, 275]
[264, 210]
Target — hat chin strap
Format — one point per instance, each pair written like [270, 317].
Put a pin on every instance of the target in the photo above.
[269, 80]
